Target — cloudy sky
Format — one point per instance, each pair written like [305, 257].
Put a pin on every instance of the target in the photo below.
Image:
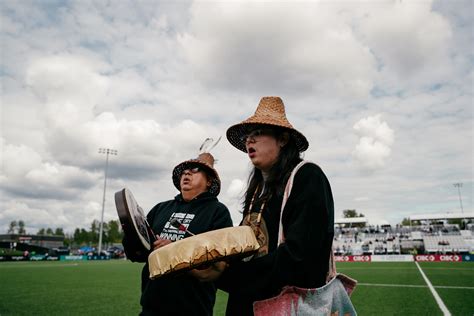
[383, 90]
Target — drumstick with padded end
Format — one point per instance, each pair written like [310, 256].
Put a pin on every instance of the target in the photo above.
[151, 233]
[177, 224]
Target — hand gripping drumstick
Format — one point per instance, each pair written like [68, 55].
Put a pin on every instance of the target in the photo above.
[177, 224]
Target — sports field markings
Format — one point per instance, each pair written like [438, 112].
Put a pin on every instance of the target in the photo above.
[438, 299]
[40, 266]
[415, 285]
[402, 268]
[377, 268]
[455, 287]
[390, 285]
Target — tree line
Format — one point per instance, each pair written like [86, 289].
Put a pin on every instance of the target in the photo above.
[17, 227]
[112, 233]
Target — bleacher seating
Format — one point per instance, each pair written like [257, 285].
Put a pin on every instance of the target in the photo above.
[403, 239]
[445, 244]
[367, 244]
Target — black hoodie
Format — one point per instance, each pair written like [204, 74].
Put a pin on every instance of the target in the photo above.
[182, 294]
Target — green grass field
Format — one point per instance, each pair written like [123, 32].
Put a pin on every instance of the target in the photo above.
[113, 288]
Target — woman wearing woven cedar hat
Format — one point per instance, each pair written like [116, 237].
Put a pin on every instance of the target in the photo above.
[296, 240]
[197, 208]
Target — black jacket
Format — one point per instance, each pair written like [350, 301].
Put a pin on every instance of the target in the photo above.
[182, 294]
[302, 260]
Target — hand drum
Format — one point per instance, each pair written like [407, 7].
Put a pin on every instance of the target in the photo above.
[226, 244]
[137, 232]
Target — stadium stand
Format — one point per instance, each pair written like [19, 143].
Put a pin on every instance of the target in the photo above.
[445, 244]
[433, 234]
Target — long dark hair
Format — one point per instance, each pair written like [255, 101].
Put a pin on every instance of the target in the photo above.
[279, 173]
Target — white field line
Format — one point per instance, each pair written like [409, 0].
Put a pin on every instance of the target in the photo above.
[414, 285]
[401, 268]
[376, 268]
[454, 287]
[438, 299]
[390, 285]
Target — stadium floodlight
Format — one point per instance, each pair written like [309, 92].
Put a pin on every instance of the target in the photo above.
[459, 185]
[107, 152]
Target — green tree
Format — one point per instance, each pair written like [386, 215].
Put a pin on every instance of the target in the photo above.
[353, 214]
[85, 237]
[49, 232]
[59, 231]
[68, 240]
[21, 227]
[114, 233]
[12, 228]
[41, 232]
[94, 232]
[76, 237]
[81, 237]
[405, 222]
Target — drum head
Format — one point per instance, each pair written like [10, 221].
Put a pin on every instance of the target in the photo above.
[133, 220]
[202, 250]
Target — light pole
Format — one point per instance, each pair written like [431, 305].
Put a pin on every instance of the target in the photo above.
[107, 152]
[459, 185]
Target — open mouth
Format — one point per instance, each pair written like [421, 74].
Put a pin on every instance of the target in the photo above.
[251, 152]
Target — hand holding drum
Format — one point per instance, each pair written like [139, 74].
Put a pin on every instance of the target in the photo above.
[160, 242]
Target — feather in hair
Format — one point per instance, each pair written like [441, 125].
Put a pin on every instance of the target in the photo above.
[208, 145]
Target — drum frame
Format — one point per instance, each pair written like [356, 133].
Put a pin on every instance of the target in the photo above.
[128, 220]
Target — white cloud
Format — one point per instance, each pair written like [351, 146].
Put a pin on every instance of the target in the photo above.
[64, 79]
[52, 176]
[411, 43]
[25, 174]
[277, 46]
[408, 37]
[153, 79]
[374, 147]
[15, 210]
[17, 160]
[236, 189]
[233, 199]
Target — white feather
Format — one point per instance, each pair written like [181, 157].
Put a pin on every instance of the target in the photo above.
[208, 145]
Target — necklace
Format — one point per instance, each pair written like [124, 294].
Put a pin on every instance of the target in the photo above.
[257, 223]
[259, 216]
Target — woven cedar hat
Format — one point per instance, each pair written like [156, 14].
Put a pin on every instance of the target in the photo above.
[270, 111]
[205, 160]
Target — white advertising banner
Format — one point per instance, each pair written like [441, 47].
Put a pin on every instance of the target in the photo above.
[392, 258]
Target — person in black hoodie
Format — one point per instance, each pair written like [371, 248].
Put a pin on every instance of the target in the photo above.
[297, 241]
[197, 208]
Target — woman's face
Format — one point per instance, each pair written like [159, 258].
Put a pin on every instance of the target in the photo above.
[263, 148]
